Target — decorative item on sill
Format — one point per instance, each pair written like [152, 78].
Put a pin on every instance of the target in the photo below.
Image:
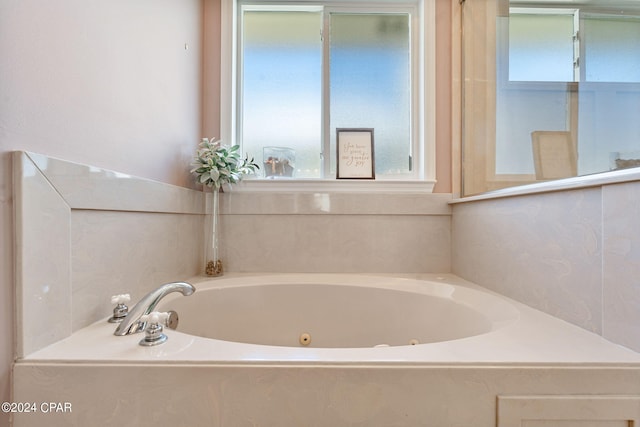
[215, 165]
[624, 160]
[279, 162]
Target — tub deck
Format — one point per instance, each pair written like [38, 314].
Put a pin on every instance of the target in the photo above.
[535, 338]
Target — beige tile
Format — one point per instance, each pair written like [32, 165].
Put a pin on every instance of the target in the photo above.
[43, 268]
[621, 269]
[543, 250]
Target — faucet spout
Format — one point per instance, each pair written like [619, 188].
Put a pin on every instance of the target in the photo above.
[132, 323]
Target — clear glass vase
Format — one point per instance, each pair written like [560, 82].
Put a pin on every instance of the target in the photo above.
[212, 262]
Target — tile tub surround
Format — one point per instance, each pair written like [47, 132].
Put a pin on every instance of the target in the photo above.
[336, 232]
[59, 208]
[153, 395]
[573, 253]
[85, 233]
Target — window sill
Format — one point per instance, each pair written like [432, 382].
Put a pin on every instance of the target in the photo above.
[336, 186]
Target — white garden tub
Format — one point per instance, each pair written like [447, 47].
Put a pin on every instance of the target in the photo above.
[337, 311]
[237, 359]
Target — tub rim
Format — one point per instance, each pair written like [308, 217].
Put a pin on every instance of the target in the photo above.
[536, 338]
[497, 311]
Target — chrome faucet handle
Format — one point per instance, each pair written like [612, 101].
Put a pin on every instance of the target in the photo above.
[154, 333]
[155, 317]
[121, 310]
[132, 323]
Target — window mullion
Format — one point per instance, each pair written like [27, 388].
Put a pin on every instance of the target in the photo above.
[578, 68]
[325, 154]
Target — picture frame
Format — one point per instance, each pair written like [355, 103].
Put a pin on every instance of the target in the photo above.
[554, 155]
[355, 153]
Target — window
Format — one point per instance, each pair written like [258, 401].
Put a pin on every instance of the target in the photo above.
[611, 48]
[573, 45]
[280, 96]
[548, 65]
[541, 45]
[300, 71]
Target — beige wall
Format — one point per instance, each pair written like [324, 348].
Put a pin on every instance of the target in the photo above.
[117, 84]
[445, 93]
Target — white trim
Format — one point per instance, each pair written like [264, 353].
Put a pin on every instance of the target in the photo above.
[428, 93]
[266, 6]
[334, 186]
[228, 68]
[541, 11]
[325, 136]
[425, 145]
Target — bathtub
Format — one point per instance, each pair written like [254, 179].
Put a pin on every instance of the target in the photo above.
[337, 311]
[327, 350]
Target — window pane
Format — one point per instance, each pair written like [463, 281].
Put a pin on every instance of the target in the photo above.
[612, 49]
[370, 84]
[540, 47]
[282, 86]
[518, 113]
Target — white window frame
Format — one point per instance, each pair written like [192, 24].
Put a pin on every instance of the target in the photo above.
[539, 11]
[424, 59]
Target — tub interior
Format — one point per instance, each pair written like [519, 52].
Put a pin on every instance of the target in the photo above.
[326, 316]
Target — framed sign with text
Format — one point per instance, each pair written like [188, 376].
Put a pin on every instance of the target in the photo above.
[355, 153]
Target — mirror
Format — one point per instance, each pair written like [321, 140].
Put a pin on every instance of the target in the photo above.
[564, 68]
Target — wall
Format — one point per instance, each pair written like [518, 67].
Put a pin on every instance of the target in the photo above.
[574, 254]
[107, 83]
[447, 96]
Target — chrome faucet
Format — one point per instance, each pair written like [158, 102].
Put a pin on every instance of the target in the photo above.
[132, 323]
